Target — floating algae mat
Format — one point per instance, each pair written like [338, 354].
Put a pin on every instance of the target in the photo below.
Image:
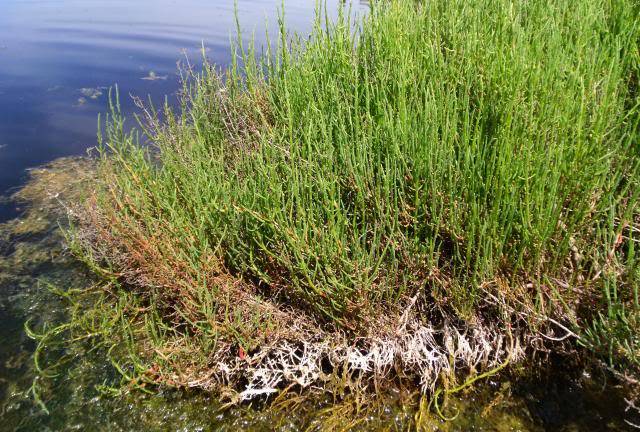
[35, 270]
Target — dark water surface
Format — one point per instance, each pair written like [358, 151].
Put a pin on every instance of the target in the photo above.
[58, 58]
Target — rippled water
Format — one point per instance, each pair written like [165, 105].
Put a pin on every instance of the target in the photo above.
[58, 58]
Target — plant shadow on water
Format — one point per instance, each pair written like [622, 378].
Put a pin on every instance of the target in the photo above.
[34, 264]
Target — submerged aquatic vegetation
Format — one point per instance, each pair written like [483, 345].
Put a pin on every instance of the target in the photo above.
[421, 195]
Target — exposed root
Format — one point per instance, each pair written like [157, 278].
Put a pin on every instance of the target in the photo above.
[422, 353]
[634, 409]
[416, 352]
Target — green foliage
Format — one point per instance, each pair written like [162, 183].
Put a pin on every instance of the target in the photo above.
[431, 148]
[615, 330]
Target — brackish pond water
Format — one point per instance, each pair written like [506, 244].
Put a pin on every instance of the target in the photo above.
[58, 58]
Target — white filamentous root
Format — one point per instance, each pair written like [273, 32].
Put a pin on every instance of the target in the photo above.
[420, 351]
[632, 407]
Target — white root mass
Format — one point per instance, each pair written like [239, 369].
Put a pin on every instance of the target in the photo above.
[420, 351]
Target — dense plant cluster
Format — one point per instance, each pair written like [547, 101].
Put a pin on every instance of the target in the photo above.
[473, 161]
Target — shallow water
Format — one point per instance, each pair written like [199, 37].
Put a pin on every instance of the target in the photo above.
[57, 60]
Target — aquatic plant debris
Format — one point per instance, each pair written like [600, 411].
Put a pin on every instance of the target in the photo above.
[92, 93]
[154, 77]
